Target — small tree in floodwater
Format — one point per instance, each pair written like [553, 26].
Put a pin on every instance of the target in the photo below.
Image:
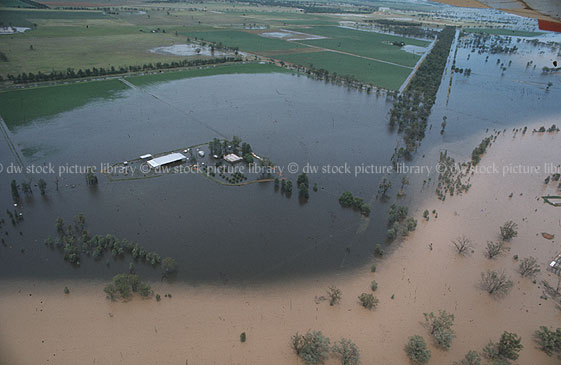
[42, 186]
[350, 355]
[462, 244]
[509, 230]
[496, 283]
[169, 266]
[15, 192]
[91, 179]
[471, 358]
[440, 327]
[548, 339]
[26, 188]
[368, 300]
[505, 350]
[334, 295]
[417, 350]
[529, 266]
[313, 347]
[494, 249]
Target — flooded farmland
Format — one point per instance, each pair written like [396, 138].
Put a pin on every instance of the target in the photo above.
[240, 235]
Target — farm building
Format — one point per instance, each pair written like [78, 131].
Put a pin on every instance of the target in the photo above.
[232, 158]
[166, 160]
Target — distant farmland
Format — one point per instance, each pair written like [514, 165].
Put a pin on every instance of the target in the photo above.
[364, 55]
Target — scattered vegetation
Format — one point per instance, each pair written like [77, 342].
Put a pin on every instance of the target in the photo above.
[74, 240]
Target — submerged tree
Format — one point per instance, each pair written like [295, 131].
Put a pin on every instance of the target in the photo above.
[42, 186]
[91, 179]
[462, 244]
[334, 295]
[496, 283]
[15, 192]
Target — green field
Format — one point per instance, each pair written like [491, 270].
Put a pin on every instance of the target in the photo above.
[518, 33]
[367, 44]
[63, 39]
[20, 107]
[245, 41]
[25, 18]
[248, 68]
[373, 72]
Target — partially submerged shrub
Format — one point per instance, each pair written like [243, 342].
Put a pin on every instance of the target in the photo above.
[312, 347]
[368, 300]
[440, 327]
[417, 350]
[350, 355]
[509, 230]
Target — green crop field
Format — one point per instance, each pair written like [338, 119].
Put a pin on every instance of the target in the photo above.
[367, 44]
[245, 41]
[247, 68]
[25, 18]
[519, 33]
[20, 107]
[373, 72]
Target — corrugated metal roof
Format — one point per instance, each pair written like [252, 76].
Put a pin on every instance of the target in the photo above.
[164, 160]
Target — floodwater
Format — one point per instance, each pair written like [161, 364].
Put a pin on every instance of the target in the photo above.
[215, 233]
[241, 235]
[189, 50]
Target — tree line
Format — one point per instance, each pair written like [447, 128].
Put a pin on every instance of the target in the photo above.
[70, 73]
[412, 109]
